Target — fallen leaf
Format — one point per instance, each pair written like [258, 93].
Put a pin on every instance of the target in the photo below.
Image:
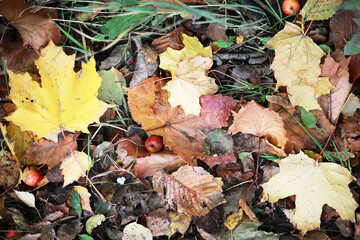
[60, 103]
[185, 134]
[319, 10]
[148, 166]
[190, 190]
[351, 105]
[343, 27]
[233, 219]
[136, 231]
[296, 65]
[84, 198]
[313, 184]
[9, 170]
[140, 99]
[189, 82]
[71, 169]
[50, 153]
[26, 197]
[36, 27]
[179, 222]
[112, 87]
[158, 221]
[188, 68]
[171, 40]
[93, 222]
[259, 121]
[128, 149]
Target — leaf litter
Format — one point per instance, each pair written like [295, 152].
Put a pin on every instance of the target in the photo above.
[289, 151]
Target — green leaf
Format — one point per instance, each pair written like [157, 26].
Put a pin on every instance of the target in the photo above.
[325, 48]
[117, 25]
[351, 105]
[75, 202]
[308, 118]
[243, 155]
[112, 87]
[353, 46]
[85, 237]
[225, 44]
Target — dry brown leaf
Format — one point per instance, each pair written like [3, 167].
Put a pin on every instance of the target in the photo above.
[259, 121]
[172, 40]
[128, 149]
[36, 28]
[50, 153]
[9, 170]
[164, 160]
[190, 190]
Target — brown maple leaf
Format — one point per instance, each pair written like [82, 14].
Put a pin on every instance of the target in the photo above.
[36, 28]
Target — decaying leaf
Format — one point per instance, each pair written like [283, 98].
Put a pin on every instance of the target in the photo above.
[313, 184]
[296, 65]
[71, 169]
[190, 190]
[136, 231]
[50, 153]
[9, 170]
[261, 122]
[61, 102]
[188, 68]
[36, 28]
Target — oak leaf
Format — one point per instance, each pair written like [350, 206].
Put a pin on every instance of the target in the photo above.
[36, 28]
[191, 190]
[262, 122]
[65, 100]
[297, 64]
[188, 68]
[314, 184]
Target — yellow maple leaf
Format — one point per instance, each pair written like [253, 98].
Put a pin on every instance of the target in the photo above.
[314, 185]
[188, 68]
[71, 169]
[190, 83]
[65, 100]
[297, 63]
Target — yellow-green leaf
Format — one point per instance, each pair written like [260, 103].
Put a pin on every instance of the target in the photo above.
[319, 9]
[65, 100]
[313, 184]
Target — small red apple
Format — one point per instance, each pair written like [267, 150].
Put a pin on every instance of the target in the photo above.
[32, 176]
[12, 233]
[153, 144]
[290, 6]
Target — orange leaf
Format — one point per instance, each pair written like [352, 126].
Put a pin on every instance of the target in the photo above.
[261, 122]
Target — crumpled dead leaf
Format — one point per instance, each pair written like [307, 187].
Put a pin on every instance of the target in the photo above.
[190, 190]
[36, 28]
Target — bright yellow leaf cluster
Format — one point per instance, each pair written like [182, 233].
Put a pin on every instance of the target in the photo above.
[188, 68]
[297, 66]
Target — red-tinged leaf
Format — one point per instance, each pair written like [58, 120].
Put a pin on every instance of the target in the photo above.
[165, 160]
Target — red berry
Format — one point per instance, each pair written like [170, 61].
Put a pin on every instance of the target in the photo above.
[11, 233]
[290, 6]
[32, 176]
[153, 144]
